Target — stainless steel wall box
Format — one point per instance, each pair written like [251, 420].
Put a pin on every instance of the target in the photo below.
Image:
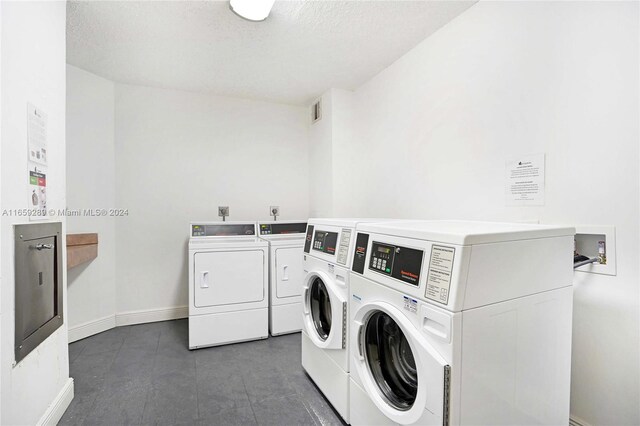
[38, 284]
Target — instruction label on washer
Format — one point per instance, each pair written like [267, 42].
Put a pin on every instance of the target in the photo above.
[343, 250]
[439, 275]
[410, 304]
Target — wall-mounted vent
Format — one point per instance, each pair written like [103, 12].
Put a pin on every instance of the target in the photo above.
[316, 111]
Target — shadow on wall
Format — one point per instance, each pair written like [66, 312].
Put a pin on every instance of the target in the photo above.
[74, 273]
[183, 278]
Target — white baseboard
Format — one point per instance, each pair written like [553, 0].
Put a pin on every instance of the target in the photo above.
[151, 315]
[58, 406]
[577, 421]
[90, 328]
[126, 318]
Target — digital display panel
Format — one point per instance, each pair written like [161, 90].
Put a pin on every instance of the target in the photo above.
[282, 228]
[360, 253]
[308, 238]
[222, 230]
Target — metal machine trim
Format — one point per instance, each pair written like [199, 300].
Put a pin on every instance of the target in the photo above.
[344, 325]
[447, 392]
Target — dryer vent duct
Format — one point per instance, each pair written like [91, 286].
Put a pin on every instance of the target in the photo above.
[316, 111]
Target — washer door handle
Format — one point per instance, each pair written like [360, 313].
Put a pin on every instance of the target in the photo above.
[285, 272]
[204, 280]
[305, 294]
[359, 337]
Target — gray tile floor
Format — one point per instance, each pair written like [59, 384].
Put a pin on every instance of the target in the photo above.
[145, 374]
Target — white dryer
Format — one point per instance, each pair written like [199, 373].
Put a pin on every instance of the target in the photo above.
[228, 284]
[461, 323]
[327, 258]
[286, 240]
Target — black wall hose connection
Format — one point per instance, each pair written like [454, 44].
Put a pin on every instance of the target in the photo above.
[585, 262]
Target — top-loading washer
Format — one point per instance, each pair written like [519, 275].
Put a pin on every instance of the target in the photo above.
[228, 284]
[457, 322]
[286, 240]
[327, 255]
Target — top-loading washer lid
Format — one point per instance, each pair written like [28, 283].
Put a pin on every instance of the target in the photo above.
[462, 232]
[346, 222]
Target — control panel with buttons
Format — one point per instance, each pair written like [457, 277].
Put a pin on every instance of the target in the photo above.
[382, 258]
[283, 228]
[401, 263]
[325, 242]
[223, 229]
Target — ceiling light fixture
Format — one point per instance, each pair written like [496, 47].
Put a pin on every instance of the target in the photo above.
[252, 10]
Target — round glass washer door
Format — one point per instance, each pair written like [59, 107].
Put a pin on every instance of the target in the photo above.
[320, 308]
[390, 361]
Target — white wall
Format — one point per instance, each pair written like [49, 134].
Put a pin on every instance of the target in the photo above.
[178, 156]
[329, 168]
[342, 111]
[33, 70]
[432, 132]
[320, 159]
[1, 205]
[91, 185]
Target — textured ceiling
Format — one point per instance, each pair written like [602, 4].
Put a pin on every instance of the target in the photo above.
[301, 50]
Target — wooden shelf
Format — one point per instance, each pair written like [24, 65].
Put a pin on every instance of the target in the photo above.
[81, 248]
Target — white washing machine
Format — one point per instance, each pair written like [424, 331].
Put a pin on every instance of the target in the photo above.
[228, 284]
[461, 323]
[286, 240]
[327, 258]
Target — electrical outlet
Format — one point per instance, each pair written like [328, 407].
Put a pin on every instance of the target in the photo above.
[223, 211]
[274, 211]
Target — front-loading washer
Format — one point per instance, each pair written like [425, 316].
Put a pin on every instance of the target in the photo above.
[286, 240]
[460, 323]
[326, 260]
[228, 284]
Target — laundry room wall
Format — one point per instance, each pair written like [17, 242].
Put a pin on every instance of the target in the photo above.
[91, 185]
[32, 56]
[432, 133]
[320, 159]
[2, 317]
[329, 169]
[342, 190]
[179, 155]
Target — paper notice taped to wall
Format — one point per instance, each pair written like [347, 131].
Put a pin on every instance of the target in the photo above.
[37, 161]
[37, 191]
[37, 134]
[524, 181]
